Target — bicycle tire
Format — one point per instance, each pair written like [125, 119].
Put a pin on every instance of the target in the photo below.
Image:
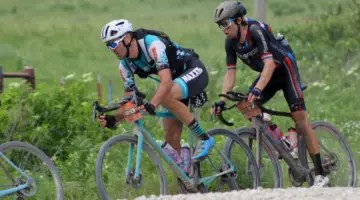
[333, 130]
[130, 139]
[44, 158]
[250, 133]
[231, 136]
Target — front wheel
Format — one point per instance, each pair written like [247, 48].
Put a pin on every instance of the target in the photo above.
[111, 166]
[270, 168]
[337, 159]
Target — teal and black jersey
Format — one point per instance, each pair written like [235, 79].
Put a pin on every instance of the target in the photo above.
[156, 53]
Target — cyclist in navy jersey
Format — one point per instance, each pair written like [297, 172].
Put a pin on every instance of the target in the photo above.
[255, 45]
[182, 75]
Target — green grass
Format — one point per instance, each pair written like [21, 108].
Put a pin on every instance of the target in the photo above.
[59, 38]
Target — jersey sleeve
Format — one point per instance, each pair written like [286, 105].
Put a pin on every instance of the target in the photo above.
[127, 76]
[157, 52]
[261, 41]
[230, 55]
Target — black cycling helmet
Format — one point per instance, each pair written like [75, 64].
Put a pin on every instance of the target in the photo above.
[229, 9]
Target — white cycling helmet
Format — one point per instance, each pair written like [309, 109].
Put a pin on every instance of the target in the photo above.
[115, 29]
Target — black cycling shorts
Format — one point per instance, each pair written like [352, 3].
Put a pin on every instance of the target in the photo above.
[194, 80]
[285, 78]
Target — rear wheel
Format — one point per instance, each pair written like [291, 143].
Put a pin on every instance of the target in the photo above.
[45, 181]
[246, 175]
[337, 159]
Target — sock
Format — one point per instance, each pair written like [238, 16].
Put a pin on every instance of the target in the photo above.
[317, 163]
[195, 127]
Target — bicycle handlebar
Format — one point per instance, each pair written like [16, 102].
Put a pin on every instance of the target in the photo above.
[137, 97]
[238, 98]
[233, 96]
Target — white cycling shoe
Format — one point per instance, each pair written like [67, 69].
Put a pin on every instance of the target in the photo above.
[320, 181]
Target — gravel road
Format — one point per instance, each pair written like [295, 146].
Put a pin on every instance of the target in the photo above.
[337, 193]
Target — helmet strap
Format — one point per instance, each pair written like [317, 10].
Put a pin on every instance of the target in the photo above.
[242, 23]
[239, 31]
[127, 47]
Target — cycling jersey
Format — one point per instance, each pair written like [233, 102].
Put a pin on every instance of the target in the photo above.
[260, 44]
[157, 53]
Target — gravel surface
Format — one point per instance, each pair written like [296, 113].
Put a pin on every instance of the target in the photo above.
[337, 193]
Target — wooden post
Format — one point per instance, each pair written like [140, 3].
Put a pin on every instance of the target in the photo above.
[28, 74]
[30, 78]
[62, 81]
[260, 13]
[110, 93]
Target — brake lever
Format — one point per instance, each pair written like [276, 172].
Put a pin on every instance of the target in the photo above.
[94, 112]
[97, 107]
[213, 113]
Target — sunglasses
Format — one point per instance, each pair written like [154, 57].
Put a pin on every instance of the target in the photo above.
[112, 45]
[225, 24]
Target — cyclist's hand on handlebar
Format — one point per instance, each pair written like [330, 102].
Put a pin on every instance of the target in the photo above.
[108, 121]
[254, 94]
[219, 106]
[149, 108]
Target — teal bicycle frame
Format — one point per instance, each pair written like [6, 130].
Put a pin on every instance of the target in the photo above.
[189, 182]
[17, 188]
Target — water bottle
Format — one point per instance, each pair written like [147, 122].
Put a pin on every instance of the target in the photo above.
[275, 132]
[273, 129]
[171, 152]
[291, 136]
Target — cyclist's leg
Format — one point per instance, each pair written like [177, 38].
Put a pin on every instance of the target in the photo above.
[188, 84]
[172, 133]
[173, 129]
[296, 102]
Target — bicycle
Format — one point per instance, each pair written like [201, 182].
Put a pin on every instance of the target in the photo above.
[298, 170]
[133, 174]
[24, 182]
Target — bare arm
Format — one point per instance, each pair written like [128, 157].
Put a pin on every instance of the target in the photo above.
[229, 81]
[266, 74]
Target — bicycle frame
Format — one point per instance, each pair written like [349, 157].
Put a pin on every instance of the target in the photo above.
[261, 130]
[14, 189]
[142, 134]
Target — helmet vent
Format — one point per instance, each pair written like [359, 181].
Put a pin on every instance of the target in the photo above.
[221, 10]
[119, 23]
[113, 32]
[106, 31]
